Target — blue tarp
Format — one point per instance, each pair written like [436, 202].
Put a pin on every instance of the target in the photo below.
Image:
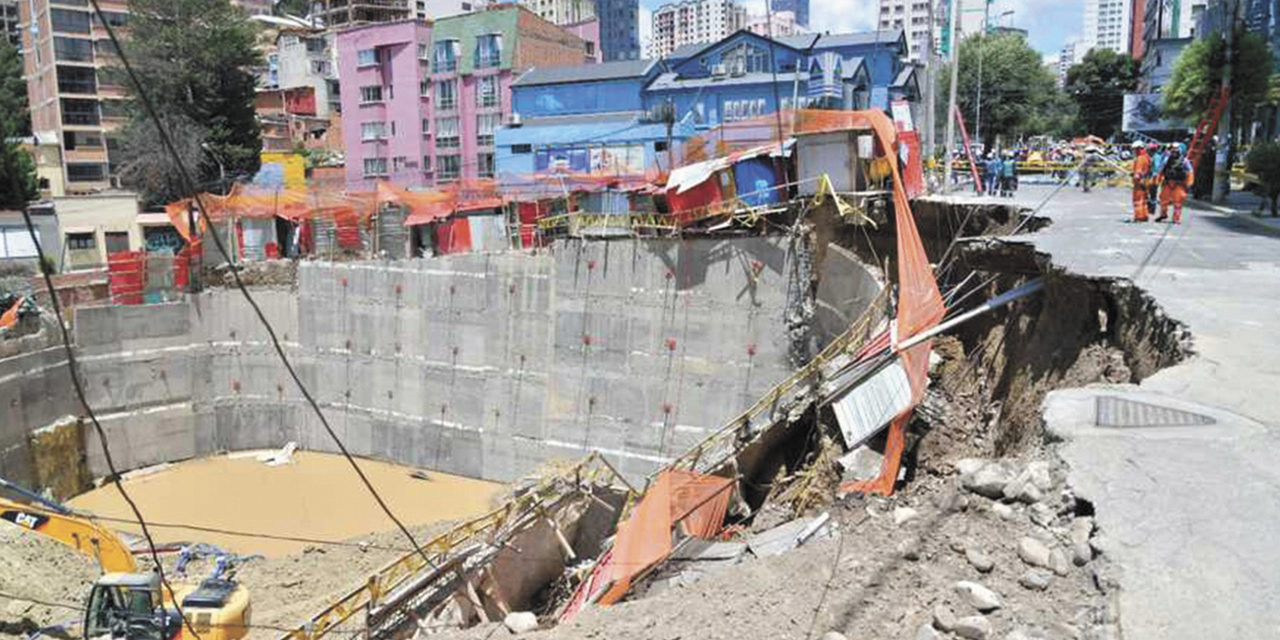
[757, 179]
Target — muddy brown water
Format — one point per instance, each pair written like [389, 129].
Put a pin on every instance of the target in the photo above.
[316, 495]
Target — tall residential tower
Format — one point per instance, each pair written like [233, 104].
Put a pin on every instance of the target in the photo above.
[695, 22]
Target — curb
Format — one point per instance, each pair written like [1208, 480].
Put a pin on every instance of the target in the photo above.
[1244, 216]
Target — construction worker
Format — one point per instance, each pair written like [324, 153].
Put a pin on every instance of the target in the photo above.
[1153, 184]
[991, 173]
[1009, 174]
[1177, 177]
[1141, 178]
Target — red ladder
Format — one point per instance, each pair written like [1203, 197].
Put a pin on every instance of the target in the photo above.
[1205, 129]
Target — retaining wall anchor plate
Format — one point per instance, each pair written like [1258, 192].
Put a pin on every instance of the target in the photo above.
[1122, 413]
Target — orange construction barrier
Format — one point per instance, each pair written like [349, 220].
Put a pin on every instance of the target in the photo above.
[696, 501]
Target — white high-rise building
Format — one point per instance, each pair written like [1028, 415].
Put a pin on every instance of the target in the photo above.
[1108, 24]
[912, 17]
[694, 22]
[782, 23]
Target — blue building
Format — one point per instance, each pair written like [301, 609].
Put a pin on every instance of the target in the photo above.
[585, 119]
[619, 29]
[572, 116]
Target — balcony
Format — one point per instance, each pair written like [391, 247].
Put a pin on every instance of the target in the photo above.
[87, 154]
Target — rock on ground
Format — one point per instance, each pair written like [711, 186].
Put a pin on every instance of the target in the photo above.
[1033, 552]
[521, 621]
[979, 559]
[973, 627]
[978, 596]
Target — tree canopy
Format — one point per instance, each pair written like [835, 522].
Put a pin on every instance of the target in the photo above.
[18, 184]
[1097, 85]
[1263, 161]
[195, 59]
[1197, 75]
[1015, 88]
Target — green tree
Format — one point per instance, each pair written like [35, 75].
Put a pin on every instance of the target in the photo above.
[1263, 161]
[195, 59]
[1197, 76]
[13, 91]
[1014, 85]
[18, 184]
[1098, 84]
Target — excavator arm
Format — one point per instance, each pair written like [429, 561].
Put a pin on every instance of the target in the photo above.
[76, 532]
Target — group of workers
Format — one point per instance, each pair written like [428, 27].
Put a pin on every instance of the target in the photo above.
[1160, 175]
[1000, 174]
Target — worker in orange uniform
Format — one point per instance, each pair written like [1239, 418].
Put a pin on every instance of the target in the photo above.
[1141, 176]
[1177, 177]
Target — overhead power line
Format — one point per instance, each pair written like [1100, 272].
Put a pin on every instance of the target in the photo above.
[188, 186]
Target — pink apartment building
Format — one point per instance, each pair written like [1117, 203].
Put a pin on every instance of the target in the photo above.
[421, 101]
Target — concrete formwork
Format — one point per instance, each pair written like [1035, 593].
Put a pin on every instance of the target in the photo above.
[484, 365]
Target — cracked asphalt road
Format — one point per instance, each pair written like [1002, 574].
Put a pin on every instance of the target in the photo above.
[1191, 514]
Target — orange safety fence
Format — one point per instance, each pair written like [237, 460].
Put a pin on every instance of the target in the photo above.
[695, 501]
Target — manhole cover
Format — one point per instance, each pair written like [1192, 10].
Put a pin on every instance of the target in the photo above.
[1121, 413]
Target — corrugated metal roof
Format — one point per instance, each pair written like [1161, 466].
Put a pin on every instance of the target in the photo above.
[604, 71]
[826, 41]
[602, 128]
[673, 80]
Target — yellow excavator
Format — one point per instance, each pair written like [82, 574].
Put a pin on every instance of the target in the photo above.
[126, 604]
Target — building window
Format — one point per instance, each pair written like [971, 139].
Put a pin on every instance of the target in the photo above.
[446, 56]
[86, 172]
[399, 163]
[83, 112]
[373, 130]
[80, 241]
[424, 52]
[521, 148]
[69, 21]
[485, 167]
[72, 49]
[448, 168]
[320, 67]
[370, 94]
[375, 167]
[487, 92]
[448, 134]
[426, 126]
[77, 80]
[367, 58]
[486, 124]
[73, 140]
[488, 50]
[447, 95]
[114, 18]
[426, 164]
[315, 45]
[424, 87]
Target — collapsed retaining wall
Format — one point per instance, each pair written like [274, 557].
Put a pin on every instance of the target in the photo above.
[483, 365]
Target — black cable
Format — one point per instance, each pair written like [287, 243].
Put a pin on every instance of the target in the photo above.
[73, 370]
[188, 183]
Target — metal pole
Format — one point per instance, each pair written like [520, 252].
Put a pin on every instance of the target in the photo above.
[192, 285]
[930, 91]
[982, 53]
[955, 69]
[1221, 168]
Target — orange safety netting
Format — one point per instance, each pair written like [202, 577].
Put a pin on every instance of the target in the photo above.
[920, 305]
[696, 501]
[10, 316]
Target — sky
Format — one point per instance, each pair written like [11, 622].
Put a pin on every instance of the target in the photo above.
[1050, 22]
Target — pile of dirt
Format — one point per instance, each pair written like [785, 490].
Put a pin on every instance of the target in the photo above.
[894, 566]
[258, 273]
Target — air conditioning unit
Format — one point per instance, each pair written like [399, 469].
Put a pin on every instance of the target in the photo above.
[718, 70]
[514, 120]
